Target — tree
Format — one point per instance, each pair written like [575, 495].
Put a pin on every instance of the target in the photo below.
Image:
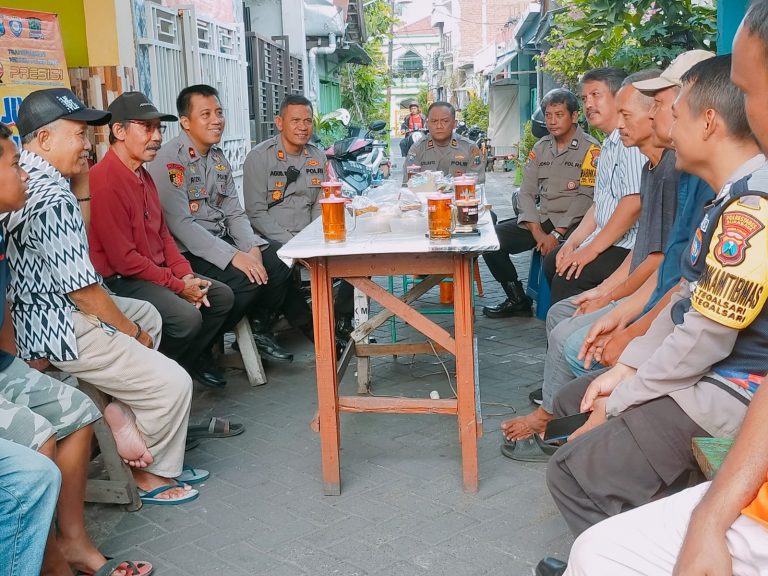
[362, 87]
[476, 113]
[593, 33]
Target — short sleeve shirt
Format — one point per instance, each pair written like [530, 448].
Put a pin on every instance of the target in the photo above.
[618, 175]
[48, 257]
[658, 195]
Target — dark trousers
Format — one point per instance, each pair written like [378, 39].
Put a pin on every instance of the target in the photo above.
[591, 275]
[188, 332]
[513, 239]
[260, 302]
[623, 463]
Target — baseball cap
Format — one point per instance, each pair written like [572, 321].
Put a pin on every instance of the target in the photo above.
[45, 106]
[671, 76]
[136, 106]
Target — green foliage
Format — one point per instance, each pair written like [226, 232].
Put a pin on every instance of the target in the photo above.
[328, 129]
[527, 142]
[362, 87]
[632, 36]
[423, 98]
[476, 113]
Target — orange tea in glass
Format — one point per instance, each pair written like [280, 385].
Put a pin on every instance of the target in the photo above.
[439, 214]
[331, 189]
[464, 187]
[334, 227]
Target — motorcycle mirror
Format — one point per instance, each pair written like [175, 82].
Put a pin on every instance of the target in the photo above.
[377, 126]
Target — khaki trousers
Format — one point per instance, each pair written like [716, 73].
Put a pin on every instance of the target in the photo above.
[157, 389]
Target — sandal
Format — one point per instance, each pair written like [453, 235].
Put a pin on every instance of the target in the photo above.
[214, 428]
[191, 475]
[151, 497]
[130, 567]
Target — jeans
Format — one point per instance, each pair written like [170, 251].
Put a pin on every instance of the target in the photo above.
[29, 488]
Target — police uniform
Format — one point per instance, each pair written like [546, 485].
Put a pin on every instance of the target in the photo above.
[277, 207]
[698, 367]
[456, 158]
[565, 182]
[204, 215]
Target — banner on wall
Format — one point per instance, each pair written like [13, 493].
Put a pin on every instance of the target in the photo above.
[31, 58]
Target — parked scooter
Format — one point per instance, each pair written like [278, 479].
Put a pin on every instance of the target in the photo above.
[377, 160]
[481, 140]
[357, 162]
[413, 137]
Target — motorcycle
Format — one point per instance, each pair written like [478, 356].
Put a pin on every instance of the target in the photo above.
[481, 140]
[413, 137]
[357, 161]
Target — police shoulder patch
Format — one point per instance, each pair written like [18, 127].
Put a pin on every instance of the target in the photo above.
[589, 166]
[731, 289]
[176, 174]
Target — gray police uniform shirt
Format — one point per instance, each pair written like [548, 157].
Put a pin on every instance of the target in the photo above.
[565, 181]
[277, 209]
[200, 202]
[456, 158]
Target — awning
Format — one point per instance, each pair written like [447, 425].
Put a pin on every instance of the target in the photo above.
[503, 64]
[352, 53]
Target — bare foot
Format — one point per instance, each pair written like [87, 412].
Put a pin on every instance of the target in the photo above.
[147, 482]
[129, 441]
[526, 426]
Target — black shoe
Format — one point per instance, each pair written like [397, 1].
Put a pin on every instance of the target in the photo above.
[209, 375]
[537, 396]
[270, 349]
[344, 327]
[550, 567]
[507, 309]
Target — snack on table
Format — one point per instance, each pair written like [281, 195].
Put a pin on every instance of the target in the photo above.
[365, 210]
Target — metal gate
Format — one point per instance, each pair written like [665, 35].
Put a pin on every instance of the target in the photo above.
[272, 74]
[185, 49]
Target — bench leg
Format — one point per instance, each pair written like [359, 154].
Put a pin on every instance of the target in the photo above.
[250, 354]
[120, 488]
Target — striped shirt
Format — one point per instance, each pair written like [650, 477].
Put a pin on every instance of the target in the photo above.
[618, 175]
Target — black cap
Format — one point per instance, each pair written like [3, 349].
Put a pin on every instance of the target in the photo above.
[135, 106]
[45, 106]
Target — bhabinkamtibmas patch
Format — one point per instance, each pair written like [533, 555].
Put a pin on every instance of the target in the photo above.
[589, 166]
[731, 289]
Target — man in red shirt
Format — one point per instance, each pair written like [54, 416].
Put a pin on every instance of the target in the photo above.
[414, 121]
[131, 247]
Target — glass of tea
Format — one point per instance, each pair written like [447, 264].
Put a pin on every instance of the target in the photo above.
[440, 216]
[331, 189]
[334, 225]
[467, 214]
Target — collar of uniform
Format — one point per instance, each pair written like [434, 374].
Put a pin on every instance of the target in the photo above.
[37, 166]
[750, 166]
[188, 148]
[281, 153]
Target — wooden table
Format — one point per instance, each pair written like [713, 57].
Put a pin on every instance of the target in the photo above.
[356, 260]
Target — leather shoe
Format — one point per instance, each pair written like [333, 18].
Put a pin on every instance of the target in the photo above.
[550, 567]
[209, 375]
[508, 309]
[270, 349]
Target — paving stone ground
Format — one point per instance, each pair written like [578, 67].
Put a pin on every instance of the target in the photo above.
[402, 510]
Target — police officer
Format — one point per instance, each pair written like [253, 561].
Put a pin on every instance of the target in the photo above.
[199, 199]
[561, 169]
[282, 175]
[443, 150]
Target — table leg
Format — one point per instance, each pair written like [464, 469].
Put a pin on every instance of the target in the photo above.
[327, 383]
[465, 368]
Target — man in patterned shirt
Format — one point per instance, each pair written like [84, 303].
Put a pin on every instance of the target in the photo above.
[62, 314]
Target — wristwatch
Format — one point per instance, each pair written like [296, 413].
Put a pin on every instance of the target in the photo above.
[557, 235]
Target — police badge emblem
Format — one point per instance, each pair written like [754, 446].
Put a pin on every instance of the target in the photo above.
[176, 174]
[277, 195]
[733, 241]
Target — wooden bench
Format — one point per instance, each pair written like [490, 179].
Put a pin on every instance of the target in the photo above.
[710, 453]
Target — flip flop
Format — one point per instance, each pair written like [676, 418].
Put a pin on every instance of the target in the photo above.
[151, 496]
[527, 450]
[191, 475]
[131, 567]
[215, 428]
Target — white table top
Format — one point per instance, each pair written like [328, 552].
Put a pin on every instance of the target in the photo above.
[309, 243]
